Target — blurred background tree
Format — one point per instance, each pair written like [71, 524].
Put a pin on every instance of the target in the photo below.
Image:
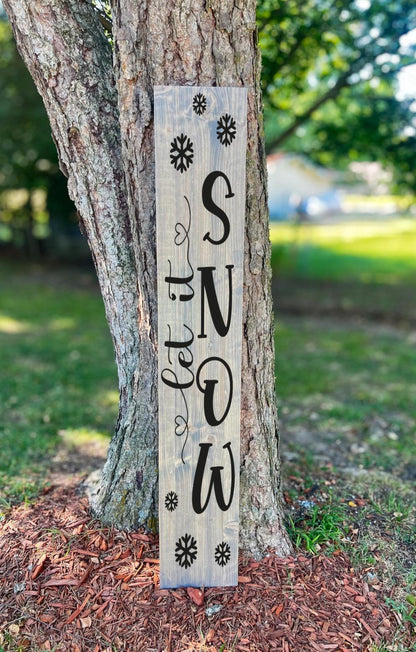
[33, 195]
[331, 79]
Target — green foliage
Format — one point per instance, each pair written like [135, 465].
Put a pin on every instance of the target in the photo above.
[390, 648]
[27, 152]
[28, 158]
[330, 80]
[103, 9]
[394, 507]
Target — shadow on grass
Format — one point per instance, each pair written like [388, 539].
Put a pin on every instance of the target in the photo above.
[377, 302]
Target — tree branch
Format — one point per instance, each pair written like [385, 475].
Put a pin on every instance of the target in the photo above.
[344, 80]
[300, 120]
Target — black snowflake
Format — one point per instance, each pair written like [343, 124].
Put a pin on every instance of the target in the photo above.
[222, 554]
[186, 551]
[226, 129]
[199, 104]
[181, 153]
[171, 501]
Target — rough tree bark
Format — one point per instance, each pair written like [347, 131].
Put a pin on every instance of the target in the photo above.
[100, 110]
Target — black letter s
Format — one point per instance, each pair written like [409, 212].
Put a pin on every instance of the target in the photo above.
[212, 207]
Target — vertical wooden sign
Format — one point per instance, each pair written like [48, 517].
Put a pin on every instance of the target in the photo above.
[200, 150]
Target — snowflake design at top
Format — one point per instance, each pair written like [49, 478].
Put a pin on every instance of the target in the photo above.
[181, 153]
[199, 104]
[222, 554]
[186, 551]
[171, 501]
[226, 129]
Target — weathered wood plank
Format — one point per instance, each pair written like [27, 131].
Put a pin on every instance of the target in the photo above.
[200, 149]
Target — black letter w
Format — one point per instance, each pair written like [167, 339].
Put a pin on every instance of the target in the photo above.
[215, 481]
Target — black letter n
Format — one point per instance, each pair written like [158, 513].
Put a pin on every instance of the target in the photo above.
[208, 289]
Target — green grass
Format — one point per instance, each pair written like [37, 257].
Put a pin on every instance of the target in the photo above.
[348, 422]
[351, 379]
[406, 611]
[322, 524]
[58, 375]
[367, 251]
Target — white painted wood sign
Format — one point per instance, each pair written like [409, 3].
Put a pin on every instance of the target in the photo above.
[200, 149]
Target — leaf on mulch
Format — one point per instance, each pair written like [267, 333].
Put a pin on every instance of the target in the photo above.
[92, 587]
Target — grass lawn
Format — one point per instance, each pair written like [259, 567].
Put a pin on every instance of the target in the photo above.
[348, 430]
[381, 251]
[346, 382]
[355, 378]
[58, 378]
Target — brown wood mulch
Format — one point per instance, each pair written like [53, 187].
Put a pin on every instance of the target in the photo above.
[67, 583]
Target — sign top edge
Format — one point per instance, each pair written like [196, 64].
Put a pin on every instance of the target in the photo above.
[162, 87]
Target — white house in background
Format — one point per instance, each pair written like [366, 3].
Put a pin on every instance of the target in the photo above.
[297, 186]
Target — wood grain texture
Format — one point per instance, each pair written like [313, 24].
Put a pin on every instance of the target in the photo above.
[200, 149]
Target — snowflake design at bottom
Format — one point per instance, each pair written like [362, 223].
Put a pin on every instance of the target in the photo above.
[222, 554]
[186, 551]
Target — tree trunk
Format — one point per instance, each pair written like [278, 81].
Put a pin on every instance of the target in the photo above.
[101, 113]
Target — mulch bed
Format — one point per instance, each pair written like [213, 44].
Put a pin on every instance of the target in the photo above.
[67, 583]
